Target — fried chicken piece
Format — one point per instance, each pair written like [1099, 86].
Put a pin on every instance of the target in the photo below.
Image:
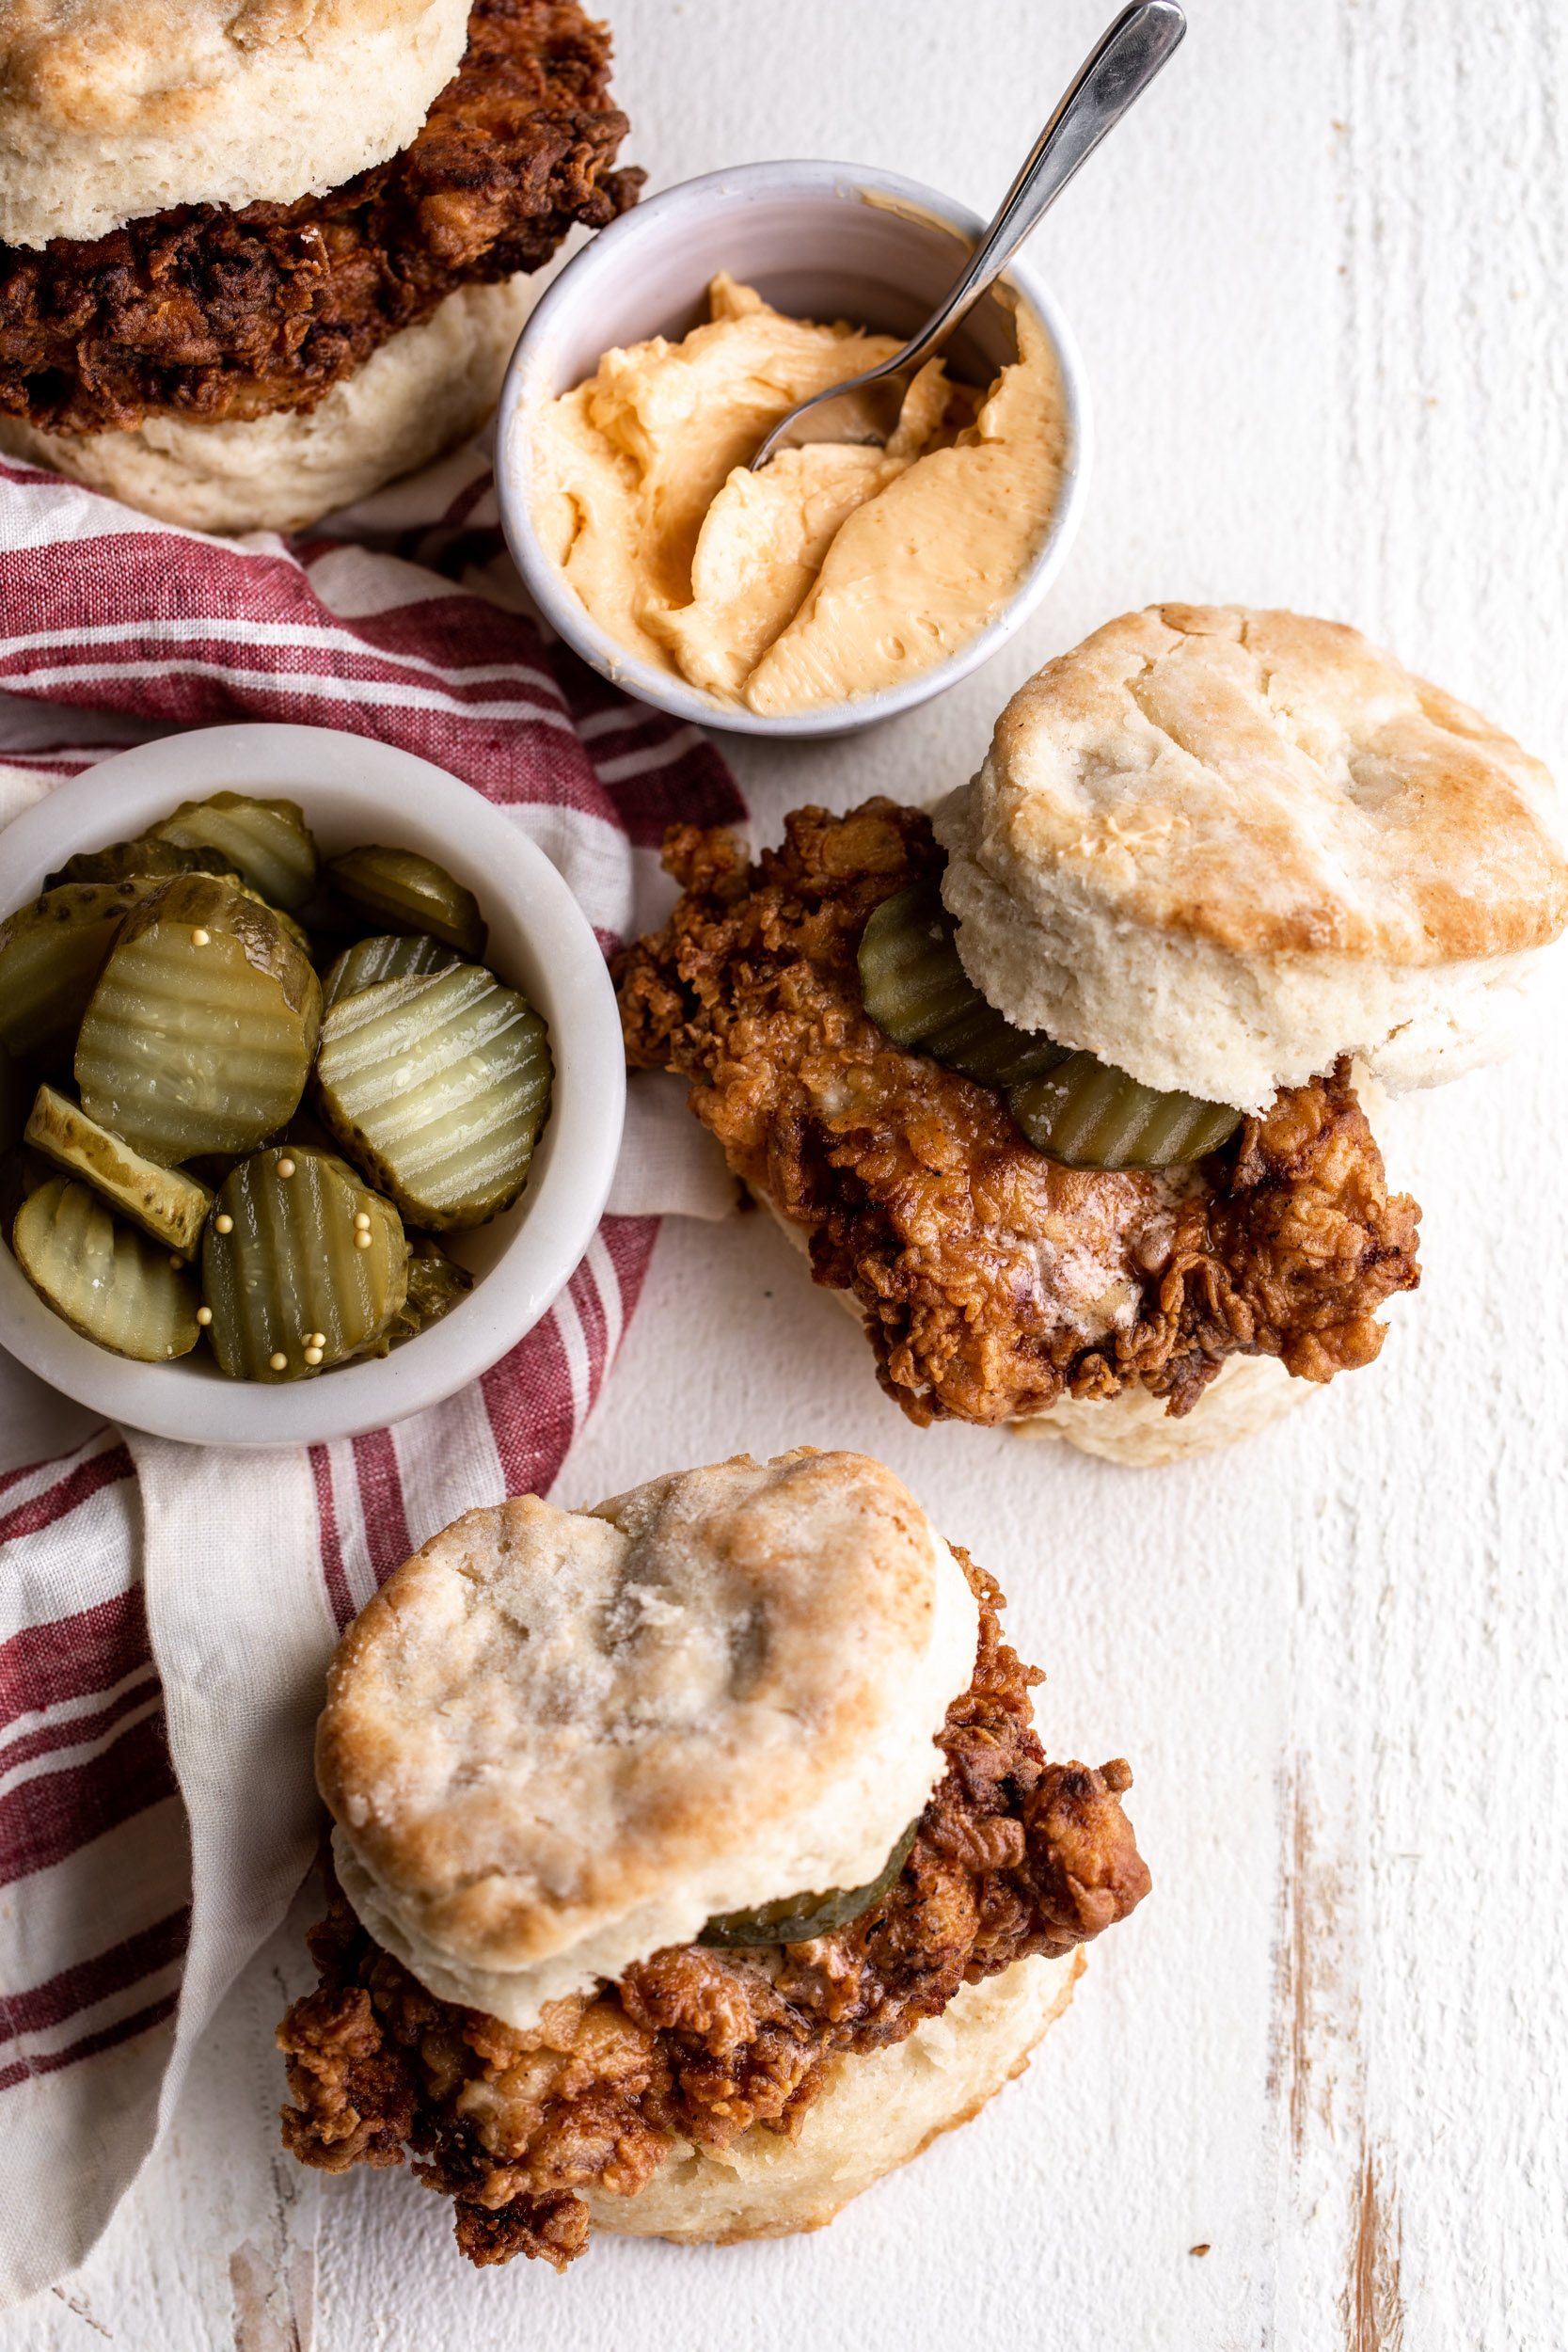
[206, 313]
[1013, 1856]
[993, 1281]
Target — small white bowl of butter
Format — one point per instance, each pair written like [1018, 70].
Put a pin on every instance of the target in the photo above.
[843, 584]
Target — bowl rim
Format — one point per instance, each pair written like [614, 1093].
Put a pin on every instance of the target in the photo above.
[528, 381]
[112, 798]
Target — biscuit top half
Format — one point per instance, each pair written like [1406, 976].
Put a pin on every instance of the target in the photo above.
[114, 109]
[1266, 817]
[557, 1741]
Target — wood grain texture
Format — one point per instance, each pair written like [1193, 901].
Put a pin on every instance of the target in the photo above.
[1320, 280]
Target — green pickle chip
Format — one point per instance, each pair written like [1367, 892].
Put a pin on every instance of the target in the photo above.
[143, 859]
[1088, 1114]
[798, 1918]
[169, 1205]
[435, 1283]
[268, 843]
[915, 987]
[51, 954]
[404, 892]
[106, 1281]
[437, 1087]
[200, 1032]
[1072, 1106]
[303, 1266]
[383, 958]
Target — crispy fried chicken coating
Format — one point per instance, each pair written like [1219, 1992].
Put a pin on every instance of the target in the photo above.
[205, 313]
[1014, 1856]
[993, 1281]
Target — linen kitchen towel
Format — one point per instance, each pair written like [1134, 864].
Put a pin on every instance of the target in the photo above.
[166, 1612]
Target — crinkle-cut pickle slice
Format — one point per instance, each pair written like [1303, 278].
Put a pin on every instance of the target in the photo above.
[267, 842]
[437, 1088]
[105, 1278]
[303, 1266]
[22, 1171]
[169, 1205]
[143, 858]
[383, 958]
[201, 1030]
[915, 987]
[404, 892]
[797, 1918]
[51, 954]
[435, 1283]
[1089, 1115]
[1071, 1106]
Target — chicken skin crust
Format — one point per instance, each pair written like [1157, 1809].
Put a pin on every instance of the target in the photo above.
[1013, 1856]
[205, 312]
[993, 1281]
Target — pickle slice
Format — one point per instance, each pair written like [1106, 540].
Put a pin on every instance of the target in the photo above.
[199, 1034]
[303, 1266]
[797, 1918]
[404, 892]
[437, 1088]
[1088, 1114]
[142, 858]
[51, 954]
[268, 843]
[170, 1206]
[108, 1283]
[435, 1283]
[383, 958]
[915, 987]
[22, 1171]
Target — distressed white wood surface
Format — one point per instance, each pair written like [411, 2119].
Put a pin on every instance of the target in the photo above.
[1320, 282]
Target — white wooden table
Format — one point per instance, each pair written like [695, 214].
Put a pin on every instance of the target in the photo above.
[1314, 2094]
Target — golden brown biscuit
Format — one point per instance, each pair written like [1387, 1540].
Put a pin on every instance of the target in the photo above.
[559, 1740]
[1220, 847]
[113, 108]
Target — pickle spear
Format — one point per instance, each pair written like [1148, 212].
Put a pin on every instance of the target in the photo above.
[268, 843]
[108, 1283]
[200, 1032]
[51, 954]
[404, 892]
[383, 958]
[170, 1206]
[437, 1087]
[798, 1918]
[302, 1267]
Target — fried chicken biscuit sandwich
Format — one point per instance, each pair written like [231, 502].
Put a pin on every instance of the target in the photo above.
[1062, 1089]
[696, 1861]
[258, 257]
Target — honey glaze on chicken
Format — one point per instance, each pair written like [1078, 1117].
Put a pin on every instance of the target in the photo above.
[1013, 1856]
[995, 1281]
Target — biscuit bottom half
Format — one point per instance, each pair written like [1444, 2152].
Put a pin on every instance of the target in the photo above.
[715, 2093]
[876, 2113]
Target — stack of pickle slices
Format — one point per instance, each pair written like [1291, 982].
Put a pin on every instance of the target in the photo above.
[263, 1087]
[1070, 1105]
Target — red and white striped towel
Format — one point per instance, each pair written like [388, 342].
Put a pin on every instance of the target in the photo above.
[166, 1612]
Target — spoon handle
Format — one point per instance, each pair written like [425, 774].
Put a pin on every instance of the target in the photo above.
[1117, 70]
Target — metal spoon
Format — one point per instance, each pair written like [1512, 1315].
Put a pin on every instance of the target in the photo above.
[1117, 70]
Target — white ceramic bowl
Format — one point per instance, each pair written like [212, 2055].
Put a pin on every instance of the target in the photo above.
[819, 240]
[354, 790]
